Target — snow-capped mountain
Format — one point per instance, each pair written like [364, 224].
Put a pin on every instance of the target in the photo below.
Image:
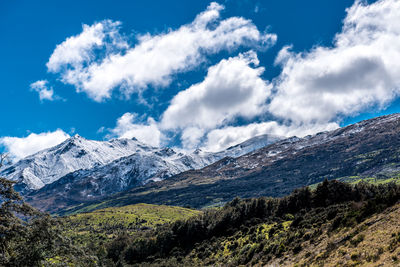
[113, 165]
[153, 164]
[73, 154]
[365, 150]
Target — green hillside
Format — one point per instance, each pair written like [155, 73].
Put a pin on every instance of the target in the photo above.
[105, 224]
[126, 198]
[337, 224]
[376, 180]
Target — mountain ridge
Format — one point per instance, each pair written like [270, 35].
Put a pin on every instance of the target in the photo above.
[369, 148]
[48, 165]
[80, 170]
[80, 154]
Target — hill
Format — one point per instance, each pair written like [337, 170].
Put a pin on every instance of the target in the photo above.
[335, 225]
[103, 225]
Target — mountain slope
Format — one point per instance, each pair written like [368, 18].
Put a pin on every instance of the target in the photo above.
[337, 224]
[369, 148]
[78, 153]
[150, 164]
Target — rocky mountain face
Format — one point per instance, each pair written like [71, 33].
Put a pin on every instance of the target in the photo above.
[47, 166]
[369, 150]
[80, 170]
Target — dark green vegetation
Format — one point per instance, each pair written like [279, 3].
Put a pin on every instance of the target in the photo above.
[368, 150]
[31, 238]
[335, 224]
[265, 230]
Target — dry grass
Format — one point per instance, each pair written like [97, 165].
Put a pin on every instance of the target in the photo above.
[375, 242]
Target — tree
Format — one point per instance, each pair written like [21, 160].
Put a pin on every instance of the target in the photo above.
[12, 210]
[29, 237]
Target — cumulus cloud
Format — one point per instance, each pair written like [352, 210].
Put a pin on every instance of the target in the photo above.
[317, 88]
[154, 59]
[20, 147]
[76, 51]
[148, 132]
[360, 71]
[232, 88]
[45, 92]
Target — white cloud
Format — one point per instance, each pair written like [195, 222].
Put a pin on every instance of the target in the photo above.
[145, 132]
[154, 59]
[314, 91]
[317, 88]
[223, 138]
[360, 71]
[20, 147]
[79, 49]
[231, 89]
[41, 87]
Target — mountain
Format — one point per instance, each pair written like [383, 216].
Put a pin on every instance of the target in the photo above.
[366, 150]
[79, 170]
[75, 153]
[89, 158]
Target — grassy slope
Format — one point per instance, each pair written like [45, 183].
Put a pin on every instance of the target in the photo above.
[375, 242]
[351, 233]
[375, 180]
[104, 224]
[342, 226]
[371, 180]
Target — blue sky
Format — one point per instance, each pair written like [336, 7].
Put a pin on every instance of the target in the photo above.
[174, 107]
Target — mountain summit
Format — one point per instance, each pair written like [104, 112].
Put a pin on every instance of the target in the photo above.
[75, 153]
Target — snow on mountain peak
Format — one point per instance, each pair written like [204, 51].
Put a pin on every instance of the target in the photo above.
[126, 160]
[75, 153]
